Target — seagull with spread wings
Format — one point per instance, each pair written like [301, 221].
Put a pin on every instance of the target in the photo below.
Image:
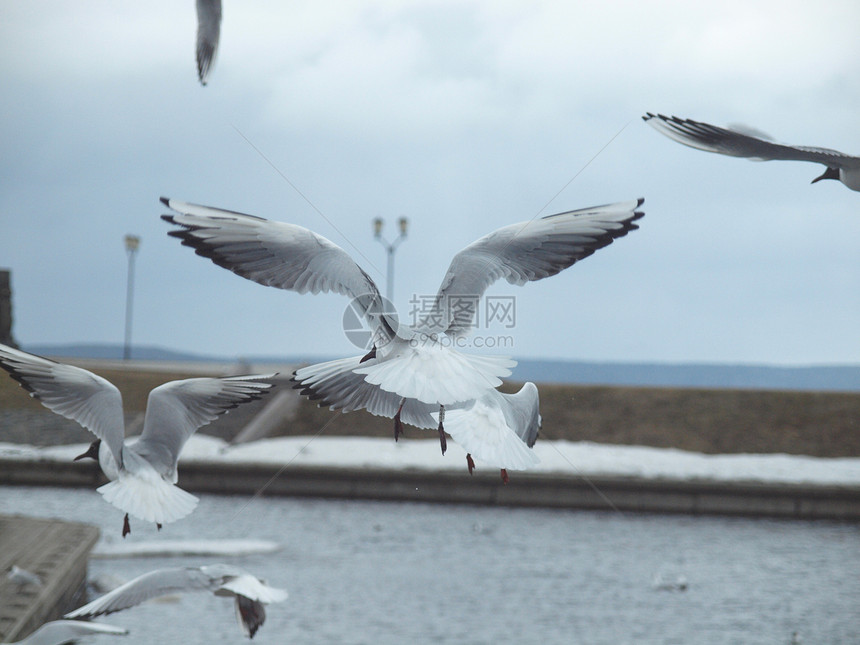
[143, 473]
[410, 371]
[739, 141]
[251, 593]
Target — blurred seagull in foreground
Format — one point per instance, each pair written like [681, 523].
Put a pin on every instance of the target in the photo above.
[60, 632]
[250, 592]
[208, 33]
[745, 142]
[143, 473]
[417, 362]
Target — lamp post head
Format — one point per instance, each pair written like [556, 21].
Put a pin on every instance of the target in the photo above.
[131, 243]
[377, 227]
[403, 223]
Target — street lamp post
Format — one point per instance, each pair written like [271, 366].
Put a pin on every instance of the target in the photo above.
[390, 248]
[132, 242]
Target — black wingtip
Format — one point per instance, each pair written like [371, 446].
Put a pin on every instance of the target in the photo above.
[165, 201]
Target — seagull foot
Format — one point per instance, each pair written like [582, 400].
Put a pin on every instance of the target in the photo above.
[443, 441]
[470, 463]
[505, 478]
[126, 527]
[398, 424]
[158, 526]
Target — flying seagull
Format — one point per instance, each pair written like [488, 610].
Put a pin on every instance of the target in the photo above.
[418, 361]
[250, 592]
[745, 142]
[142, 473]
[61, 632]
[497, 428]
[21, 577]
[208, 32]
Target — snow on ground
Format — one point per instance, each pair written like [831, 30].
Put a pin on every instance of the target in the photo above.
[557, 457]
[177, 548]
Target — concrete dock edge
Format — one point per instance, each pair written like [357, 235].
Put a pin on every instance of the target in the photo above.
[57, 552]
[694, 497]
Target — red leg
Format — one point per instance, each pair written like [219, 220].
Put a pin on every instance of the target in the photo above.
[504, 476]
[442, 439]
[470, 463]
[126, 527]
[398, 425]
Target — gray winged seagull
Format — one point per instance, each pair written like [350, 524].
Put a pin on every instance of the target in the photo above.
[414, 370]
[60, 632]
[143, 473]
[208, 33]
[739, 141]
[250, 592]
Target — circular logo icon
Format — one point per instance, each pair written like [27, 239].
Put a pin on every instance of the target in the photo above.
[358, 329]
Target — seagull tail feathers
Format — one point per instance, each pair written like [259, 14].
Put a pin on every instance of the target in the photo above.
[150, 498]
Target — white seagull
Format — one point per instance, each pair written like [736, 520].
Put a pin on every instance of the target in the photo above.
[497, 428]
[250, 592]
[415, 362]
[208, 33]
[745, 142]
[21, 577]
[143, 473]
[61, 632]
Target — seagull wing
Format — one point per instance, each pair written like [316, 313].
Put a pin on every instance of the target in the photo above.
[522, 412]
[72, 392]
[735, 143]
[57, 632]
[160, 582]
[175, 410]
[522, 253]
[335, 384]
[277, 254]
[208, 32]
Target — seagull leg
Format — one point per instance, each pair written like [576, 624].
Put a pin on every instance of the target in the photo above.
[158, 526]
[470, 463]
[398, 425]
[442, 440]
[126, 527]
[505, 478]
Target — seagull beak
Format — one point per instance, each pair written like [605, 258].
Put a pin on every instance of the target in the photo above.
[92, 452]
[830, 173]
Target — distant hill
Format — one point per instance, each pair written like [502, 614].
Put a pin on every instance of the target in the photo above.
[834, 378]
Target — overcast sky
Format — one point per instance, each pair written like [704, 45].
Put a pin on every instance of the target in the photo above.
[462, 116]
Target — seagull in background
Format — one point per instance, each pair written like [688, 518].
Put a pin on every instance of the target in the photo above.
[745, 142]
[143, 474]
[419, 361]
[497, 428]
[21, 577]
[208, 33]
[60, 632]
[250, 592]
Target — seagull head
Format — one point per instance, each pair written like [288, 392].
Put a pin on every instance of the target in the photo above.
[92, 452]
[830, 173]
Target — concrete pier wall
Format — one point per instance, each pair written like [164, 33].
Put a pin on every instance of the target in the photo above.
[696, 497]
[55, 551]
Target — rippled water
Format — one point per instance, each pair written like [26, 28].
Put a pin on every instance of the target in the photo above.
[367, 572]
